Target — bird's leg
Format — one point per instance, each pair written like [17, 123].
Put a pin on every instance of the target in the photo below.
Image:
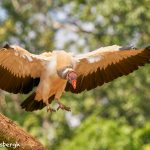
[43, 89]
[62, 106]
[49, 109]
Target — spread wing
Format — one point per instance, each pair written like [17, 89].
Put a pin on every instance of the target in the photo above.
[19, 70]
[106, 64]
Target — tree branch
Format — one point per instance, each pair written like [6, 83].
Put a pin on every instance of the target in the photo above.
[10, 133]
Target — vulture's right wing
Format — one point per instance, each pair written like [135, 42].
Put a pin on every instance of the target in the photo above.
[106, 64]
[19, 70]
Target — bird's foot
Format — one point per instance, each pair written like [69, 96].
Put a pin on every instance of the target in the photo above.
[63, 107]
[49, 109]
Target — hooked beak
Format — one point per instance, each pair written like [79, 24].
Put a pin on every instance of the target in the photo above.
[73, 82]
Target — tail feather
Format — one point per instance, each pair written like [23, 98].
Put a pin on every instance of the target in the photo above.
[30, 104]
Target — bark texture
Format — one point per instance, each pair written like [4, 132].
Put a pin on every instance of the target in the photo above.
[11, 133]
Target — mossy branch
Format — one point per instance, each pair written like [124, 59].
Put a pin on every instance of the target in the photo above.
[10, 133]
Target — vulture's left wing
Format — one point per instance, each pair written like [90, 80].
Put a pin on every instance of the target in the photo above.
[19, 70]
[106, 64]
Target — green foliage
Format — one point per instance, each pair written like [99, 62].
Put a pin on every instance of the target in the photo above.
[96, 133]
[115, 116]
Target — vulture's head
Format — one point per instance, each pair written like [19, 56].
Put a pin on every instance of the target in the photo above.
[68, 74]
[72, 78]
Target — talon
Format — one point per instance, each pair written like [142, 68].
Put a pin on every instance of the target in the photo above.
[49, 109]
[63, 107]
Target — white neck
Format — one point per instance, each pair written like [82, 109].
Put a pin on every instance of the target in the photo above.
[64, 72]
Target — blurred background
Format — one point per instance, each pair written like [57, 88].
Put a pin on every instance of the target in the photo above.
[115, 116]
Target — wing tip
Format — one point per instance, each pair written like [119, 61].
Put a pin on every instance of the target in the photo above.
[127, 48]
[6, 45]
[132, 47]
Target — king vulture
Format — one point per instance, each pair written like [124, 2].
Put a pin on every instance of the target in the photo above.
[52, 73]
